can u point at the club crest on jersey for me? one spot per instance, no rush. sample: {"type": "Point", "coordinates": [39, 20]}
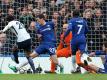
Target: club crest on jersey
{"type": "Point", "coordinates": [47, 29]}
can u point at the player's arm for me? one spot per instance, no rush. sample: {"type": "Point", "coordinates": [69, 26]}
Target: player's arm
{"type": "Point", "coordinates": [6, 28]}
{"type": "Point", "coordinates": [39, 35]}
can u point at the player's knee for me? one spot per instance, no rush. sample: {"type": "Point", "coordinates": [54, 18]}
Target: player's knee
{"type": "Point", "coordinates": [55, 61]}
{"type": "Point", "coordinates": [79, 64]}
{"type": "Point", "coordinates": [33, 55]}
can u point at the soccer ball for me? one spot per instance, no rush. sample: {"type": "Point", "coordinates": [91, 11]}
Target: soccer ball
{"type": "Point", "coordinates": [22, 71]}
{"type": "Point", "coordinates": [25, 70]}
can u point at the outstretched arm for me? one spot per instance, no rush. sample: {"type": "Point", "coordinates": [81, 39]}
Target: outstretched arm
{"type": "Point", "coordinates": [6, 28]}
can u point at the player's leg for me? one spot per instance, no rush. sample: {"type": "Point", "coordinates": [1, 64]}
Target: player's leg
{"type": "Point", "coordinates": [65, 52]}
{"type": "Point", "coordinates": [30, 61]}
{"type": "Point", "coordinates": [27, 49]}
{"type": "Point", "coordinates": [15, 54]}
{"type": "Point", "coordinates": [39, 50]}
{"type": "Point", "coordinates": [73, 57]}
{"type": "Point", "coordinates": [79, 62]}
{"type": "Point", "coordinates": [51, 50]}
{"type": "Point", "coordinates": [89, 67]}
{"type": "Point", "coordinates": [53, 66]}
{"type": "Point", "coordinates": [82, 53]}
{"type": "Point", "coordinates": [75, 67]}
{"type": "Point", "coordinates": [96, 69]}
{"type": "Point", "coordinates": [34, 54]}
{"type": "Point", "coordinates": [22, 64]}
{"type": "Point", "coordinates": [55, 61]}
{"type": "Point", "coordinates": [26, 46]}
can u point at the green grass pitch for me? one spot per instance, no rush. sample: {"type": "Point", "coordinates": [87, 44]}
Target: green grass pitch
{"type": "Point", "coordinates": [53, 77]}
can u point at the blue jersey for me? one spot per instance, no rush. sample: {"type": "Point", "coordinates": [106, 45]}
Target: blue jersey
{"type": "Point", "coordinates": [78, 26]}
{"type": "Point", "coordinates": [48, 39]}
{"type": "Point", "coordinates": [37, 25]}
{"type": "Point", "coordinates": [47, 32]}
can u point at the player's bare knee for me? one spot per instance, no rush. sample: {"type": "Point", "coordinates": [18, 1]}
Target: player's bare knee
{"type": "Point", "coordinates": [54, 59]}
{"type": "Point", "coordinates": [55, 62]}
{"type": "Point", "coordinates": [33, 55]}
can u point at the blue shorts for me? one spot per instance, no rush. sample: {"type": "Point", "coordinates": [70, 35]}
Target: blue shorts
{"type": "Point", "coordinates": [46, 49]}
{"type": "Point", "coordinates": [78, 45]}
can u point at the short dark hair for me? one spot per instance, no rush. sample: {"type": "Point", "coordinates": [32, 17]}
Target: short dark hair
{"type": "Point", "coordinates": [76, 13]}
{"type": "Point", "coordinates": [41, 16]}
{"type": "Point", "coordinates": [10, 18]}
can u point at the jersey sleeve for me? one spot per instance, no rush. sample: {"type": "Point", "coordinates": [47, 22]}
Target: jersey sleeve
{"type": "Point", "coordinates": [7, 27]}
{"type": "Point", "coordinates": [38, 31]}
{"type": "Point", "coordinates": [52, 24]}
{"type": "Point", "coordinates": [70, 25]}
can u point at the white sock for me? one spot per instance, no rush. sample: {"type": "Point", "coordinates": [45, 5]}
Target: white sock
{"type": "Point", "coordinates": [73, 62]}
{"type": "Point", "coordinates": [22, 64]}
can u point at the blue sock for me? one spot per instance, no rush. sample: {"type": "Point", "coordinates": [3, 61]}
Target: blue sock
{"type": "Point", "coordinates": [31, 64]}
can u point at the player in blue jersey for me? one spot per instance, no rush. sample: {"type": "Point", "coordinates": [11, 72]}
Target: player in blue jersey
{"type": "Point", "coordinates": [47, 39]}
{"type": "Point", "coordinates": [98, 69]}
{"type": "Point", "coordinates": [103, 55]}
{"type": "Point", "coordinates": [79, 28]}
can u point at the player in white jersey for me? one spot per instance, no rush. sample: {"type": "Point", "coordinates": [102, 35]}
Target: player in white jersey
{"type": "Point", "coordinates": [18, 29]}
{"type": "Point", "coordinates": [23, 39]}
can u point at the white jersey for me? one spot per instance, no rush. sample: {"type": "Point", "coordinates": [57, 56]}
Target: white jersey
{"type": "Point", "coordinates": [18, 29]}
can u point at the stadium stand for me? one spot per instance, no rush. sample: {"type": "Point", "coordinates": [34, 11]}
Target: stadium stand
{"type": "Point", "coordinates": [60, 11]}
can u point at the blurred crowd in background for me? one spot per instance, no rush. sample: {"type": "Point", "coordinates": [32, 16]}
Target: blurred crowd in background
{"type": "Point", "coordinates": [59, 11]}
